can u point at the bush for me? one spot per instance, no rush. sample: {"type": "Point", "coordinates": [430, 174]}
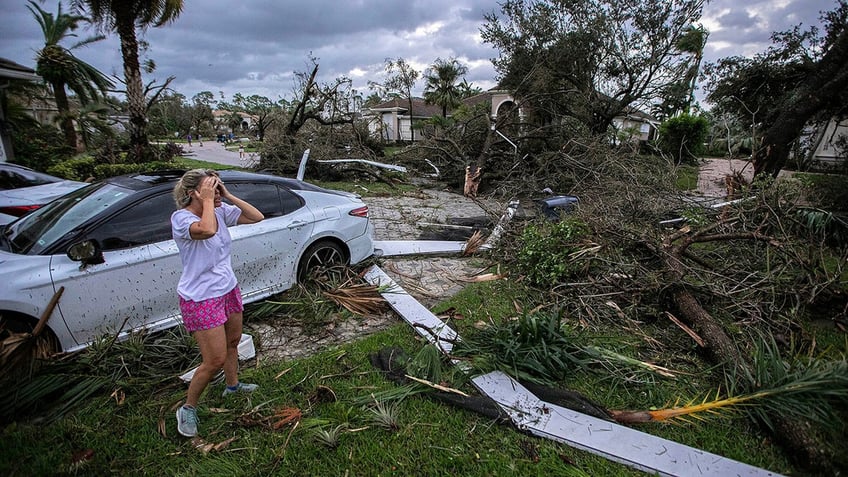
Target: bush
{"type": "Point", "coordinates": [76, 169]}
{"type": "Point", "coordinates": [545, 253]}
{"type": "Point", "coordinates": [39, 147]}
{"type": "Point", "coordinates": [683, 137]}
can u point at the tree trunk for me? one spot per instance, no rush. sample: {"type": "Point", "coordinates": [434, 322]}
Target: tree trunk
{"type": "Point", "coordinates": [794, 435]}
{"type": "Point", "coordinates": [65, 119]}
{"type": "Point", "coordinates": [823, 84]}
{"type": "Point", "coordinates": [137, 127]}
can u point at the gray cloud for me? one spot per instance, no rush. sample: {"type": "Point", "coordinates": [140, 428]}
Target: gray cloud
{"type": "Point", "coordinates": [254, 46]}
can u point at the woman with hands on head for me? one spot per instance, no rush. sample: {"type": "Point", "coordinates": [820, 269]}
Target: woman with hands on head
{"type": "Point", "coordinates": [210, 299]}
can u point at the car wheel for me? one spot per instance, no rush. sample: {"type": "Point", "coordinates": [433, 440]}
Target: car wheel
{"type": "Point", "coordinates": [22, 354]}
{"type": "Point", "coordinates": [321, 260]}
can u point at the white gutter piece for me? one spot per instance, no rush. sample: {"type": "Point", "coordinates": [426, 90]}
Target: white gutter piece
{"type": "Point", "coordinates": [613, 441]}
{"type": "Point", "coordinates": [607, 439]}
{"type": "Point", "coordinates": [394, 248]}
{"type": "Point", "coordinates": [412, 311]}
{"type": "Point", "coordinates": [365, 161]}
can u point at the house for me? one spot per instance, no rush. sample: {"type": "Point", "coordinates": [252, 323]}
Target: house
{"type": "Point", "coordinates": [10, 72]}
{"type": "Point", "coordinates": [222, 117]}
{"type": "Point", "coordinates": [635, 126]}
{"type": "Point", "coordinates": [391, 119]}
{"type": "Point", "coordinates": [829, 147]}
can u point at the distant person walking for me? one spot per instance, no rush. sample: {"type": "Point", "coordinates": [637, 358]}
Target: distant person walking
{"type": "Point", "coordinates": [241, 151]}
{"type": "Point", "coordinates": [188, 138]}
{"type": "Point", "coordinates": [200, 140]}
{"type": "Point", "coordinates": [210, 299]}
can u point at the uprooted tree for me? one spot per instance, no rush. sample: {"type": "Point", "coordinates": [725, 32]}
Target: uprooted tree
{"type": "Point", "coordinates": [732, 275]}
{"type": "Point", "coordinates": [321, 117]}
{"type": "Point", "coordinates": [801, 80]}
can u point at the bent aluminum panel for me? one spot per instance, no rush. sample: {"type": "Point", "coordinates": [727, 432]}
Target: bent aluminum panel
{"type": "Point", "coordinates": [412, 311]}
{"type": "Point", "coordinates": [395, 248]}
{"type": "Point", "coordinates": [618, 443]}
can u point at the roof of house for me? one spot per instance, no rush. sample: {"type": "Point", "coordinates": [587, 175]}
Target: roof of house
{"type": "Point", "coordinates": [11, 70]}
{"type": "Point", "coordinates": [420, 108]}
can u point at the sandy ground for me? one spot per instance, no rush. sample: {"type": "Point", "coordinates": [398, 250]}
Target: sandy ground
{"type": "Point", "coordinates": [711, 179]}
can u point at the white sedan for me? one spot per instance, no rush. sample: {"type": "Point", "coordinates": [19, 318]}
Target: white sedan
{"type": "Point", "coordinates": [23, 190]}
{"type": "Point", "coordinates": [109, 245]}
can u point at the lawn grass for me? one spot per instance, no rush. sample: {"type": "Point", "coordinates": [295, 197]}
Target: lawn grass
{"type": "Point", "coordinates": [431, 438]}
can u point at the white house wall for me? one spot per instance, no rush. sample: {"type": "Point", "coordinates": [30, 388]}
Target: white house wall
{"type": "Point", "coordinates": [828, 154]}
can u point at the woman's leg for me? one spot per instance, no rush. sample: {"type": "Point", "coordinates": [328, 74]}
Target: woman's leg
{"type": "Point", "coordinates": [233, 328]}
{"type": "Point", "coordinates": [213, 350]}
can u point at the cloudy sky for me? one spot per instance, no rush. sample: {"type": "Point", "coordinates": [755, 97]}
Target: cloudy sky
{"type": "Point", "coordinates": [254, 46]}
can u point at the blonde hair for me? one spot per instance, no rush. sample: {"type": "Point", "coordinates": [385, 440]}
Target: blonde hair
{"type": "Point", "coordinates": [187, 183]}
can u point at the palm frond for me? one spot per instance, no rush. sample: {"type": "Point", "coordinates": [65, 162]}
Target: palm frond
{"type": "Point", "coordinates": [359, 299]}
{"type": "Point", "coordinates": [812, 389]}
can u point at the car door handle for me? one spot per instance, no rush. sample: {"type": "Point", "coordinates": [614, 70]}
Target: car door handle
{"type": "Point", "coordinates": [296, 224]}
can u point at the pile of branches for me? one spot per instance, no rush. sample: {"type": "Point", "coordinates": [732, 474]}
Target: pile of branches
{"type": "Point", "coordinates": [722, 276]}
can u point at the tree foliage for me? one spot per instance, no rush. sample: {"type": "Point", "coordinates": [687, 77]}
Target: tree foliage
{"type": "Point", "coordinates": [683, 136]}
{"type": "Point", "coordinates": [60, 68]}
{"type": "Point", "coordinates": [442, 87]}
{"type": "Point", "coordinates": [590, 59]}
{"type": "Point", "coordinates": [400, 79]}
{"type": "Point", "coordinates": [123, 17]}
{"type": "Point", "coordinates": [801, 79]}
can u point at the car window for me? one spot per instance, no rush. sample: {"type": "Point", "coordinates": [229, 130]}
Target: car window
{"type": "Point", "coordinates": [41, 228]}
{"type": "Point", "coordinates": [268, 198]}
{"type": "Point", "coordinates": [142, 223]}
{"type": "Point", "coordinates": [12, 179]}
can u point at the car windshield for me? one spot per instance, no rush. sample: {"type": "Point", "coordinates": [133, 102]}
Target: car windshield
{"type": "Point", "coordinates": [36, 231]}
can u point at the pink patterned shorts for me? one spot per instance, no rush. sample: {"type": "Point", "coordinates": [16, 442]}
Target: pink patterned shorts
{"type": "Point", "coordinates": [208, 314]}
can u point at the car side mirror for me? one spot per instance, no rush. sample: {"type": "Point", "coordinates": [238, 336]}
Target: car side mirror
{"type": "Point", "coordinates": [88, 252]}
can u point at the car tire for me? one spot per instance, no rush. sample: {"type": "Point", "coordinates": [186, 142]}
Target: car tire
{"type": "Point", "coordinates": [27, 355]}
{"type": "Point", "coordinates": [321, 260]}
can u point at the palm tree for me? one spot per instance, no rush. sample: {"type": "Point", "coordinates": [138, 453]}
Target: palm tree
{"type": "Point", "coordinates": [692, 42]}
{"type": "Point", "coordinates": [442, 88]}
{"type": "Point", "coordinates": [60, 68]}
{"type": "Point", "coordinates": [123, 17]}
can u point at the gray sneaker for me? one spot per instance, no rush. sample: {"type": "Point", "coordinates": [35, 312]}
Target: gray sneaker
{"type": "Point", "coordinates": [240, 388]}
{"type": "Point", "coordinates": [187, 421]}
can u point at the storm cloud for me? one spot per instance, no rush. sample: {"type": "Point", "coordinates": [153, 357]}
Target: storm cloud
{"type": "Point", "coordinates": [255, 46]}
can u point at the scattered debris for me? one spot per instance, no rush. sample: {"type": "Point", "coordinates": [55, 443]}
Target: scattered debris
{"type": "Point", "coordinates": [527, 412]}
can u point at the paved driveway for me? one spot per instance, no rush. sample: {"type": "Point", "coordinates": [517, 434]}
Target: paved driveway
{"type": "Point", "coordinates": [216, 152]}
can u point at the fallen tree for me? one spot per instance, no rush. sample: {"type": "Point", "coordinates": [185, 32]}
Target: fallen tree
{"type": "Point", "coordinates": [732, 275]}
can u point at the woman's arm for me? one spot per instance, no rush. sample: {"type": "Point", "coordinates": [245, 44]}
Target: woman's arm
{"type": "Point", "coordinates": [249, 213]}
{"type": "Point", "coordinates": [207, 226]}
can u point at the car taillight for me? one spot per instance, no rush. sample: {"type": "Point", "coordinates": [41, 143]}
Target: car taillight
{"type": "Point", "coordinates": [21, 210]}
{"type": "Point", "coordinates": [359, 212]}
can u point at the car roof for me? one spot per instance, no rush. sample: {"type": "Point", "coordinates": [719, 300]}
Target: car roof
{"type": "Point", "coordinates": [146, 180]}
{"type": "Point", "coordinates": [26, 171]}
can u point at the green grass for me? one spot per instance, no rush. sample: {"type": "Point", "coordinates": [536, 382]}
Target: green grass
{"type": "Point", "coordinates": [687, 177]}
{"type": "Point", "coordinates": [431, 439]}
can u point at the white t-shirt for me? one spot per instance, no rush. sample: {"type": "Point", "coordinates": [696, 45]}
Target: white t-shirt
{"type": "Point", "coordinates": [207, 269]}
